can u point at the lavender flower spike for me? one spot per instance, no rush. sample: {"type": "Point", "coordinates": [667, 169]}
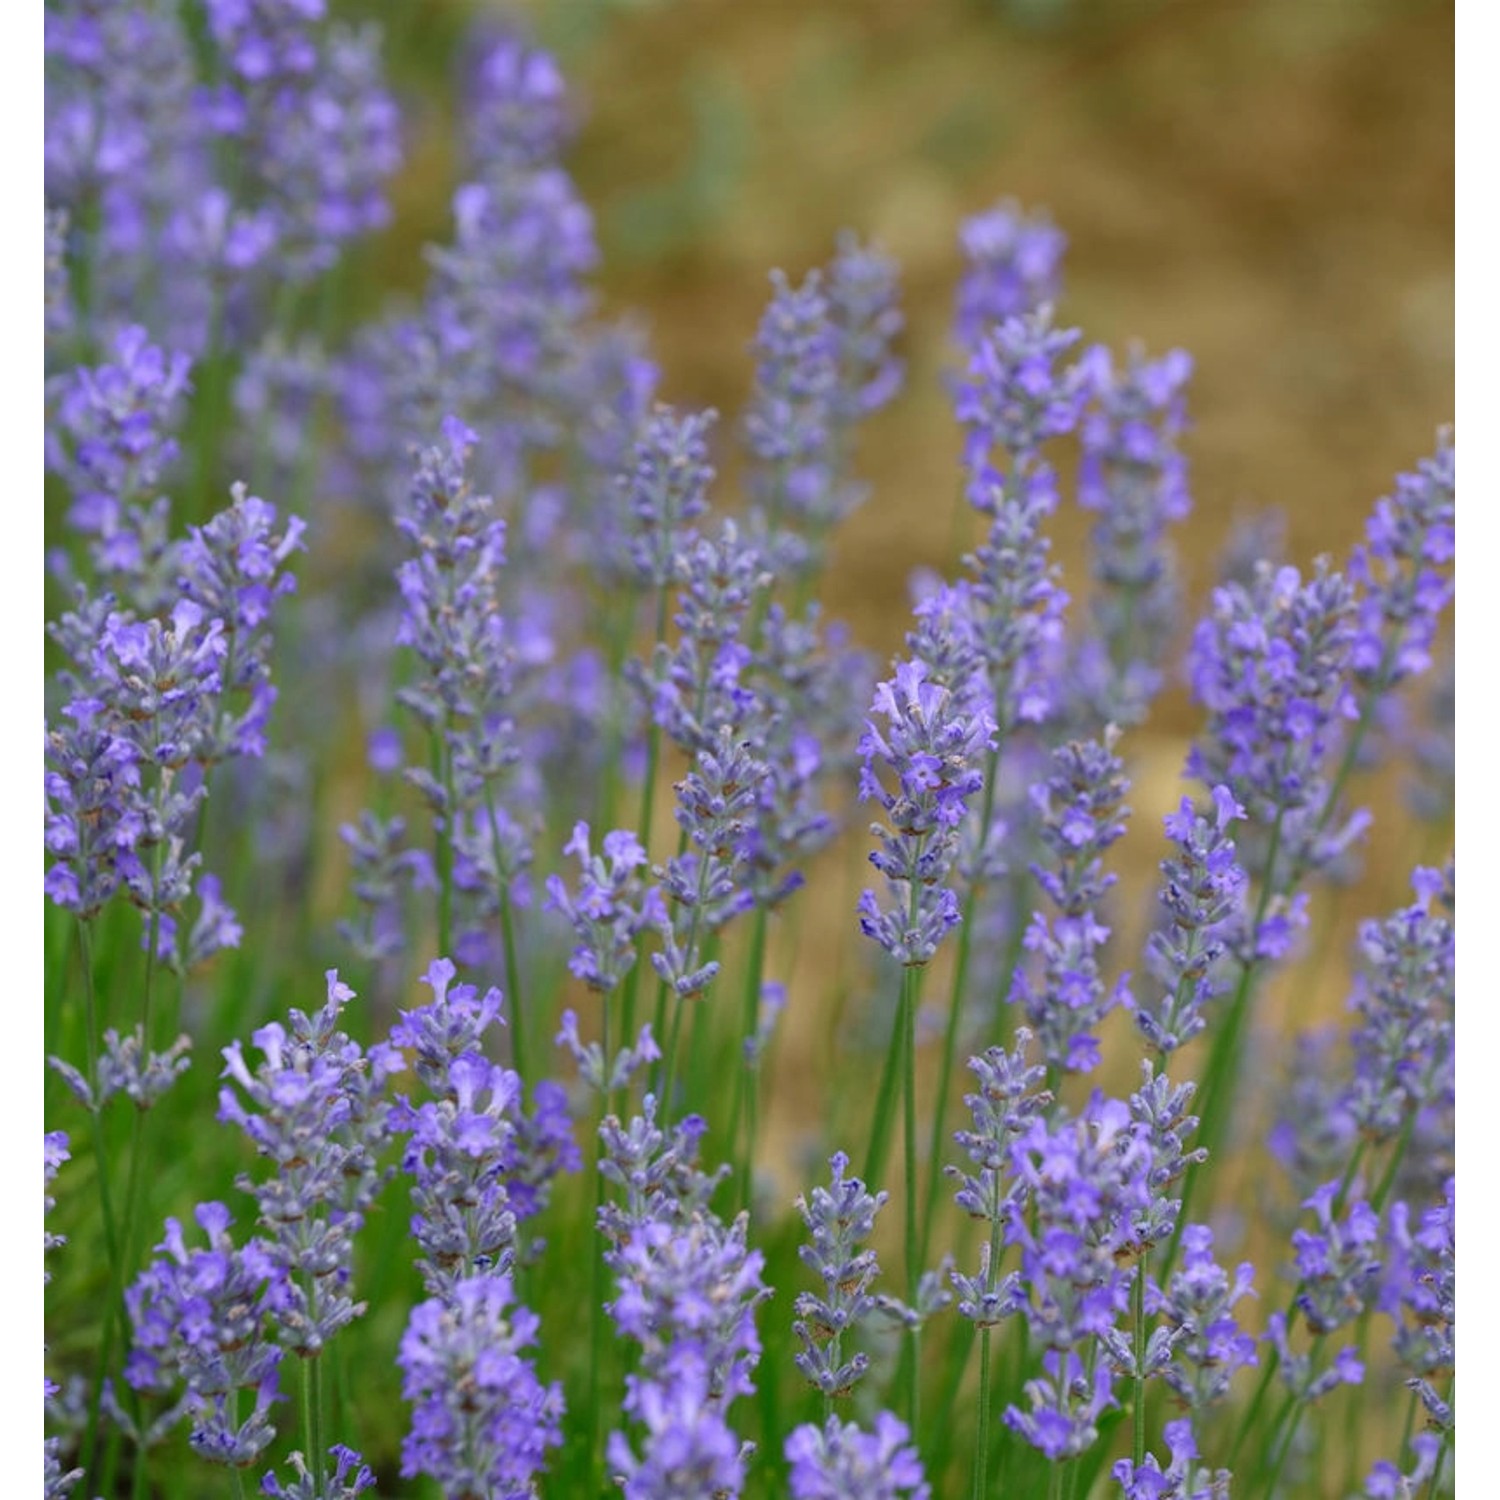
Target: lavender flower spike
{"type": "Point", "coordinates": [1202, 891]}
{"type": "Point", "coordinates": [482, 1422]}
{"type": "Point", "coordinates": [843, 1462]}
{"type": "Point", "coordinates": [1011, 262]}
{"type": "Point", "coordinates": [932, 747]}
{"type": "Point", "coordinates": [838, 1220]}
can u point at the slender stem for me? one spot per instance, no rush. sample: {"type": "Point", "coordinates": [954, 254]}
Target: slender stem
{"type": "Point", "coordinates": [443, 767]}
{"type": "Point", "coordinates": [880, 1127]}
{"type": "Point", "coordinates": [106, 1201]}
{"type": "Point", "coordinates": [513, 986]}
{"type": "Point", "coordinates": [746, 1074]}
{"type": "Point", "coordinates": [669, 1059]}
{"type": "Point", "coordinates": [955, 1013]}
{"type": "Point", "coordinates": [1138, 1312]}
{"type": "Point", "coordinates": [982, 1442]}
{"type": "Point", "coordinates": [911, 980]}
{"type": "Point", "coordinates": [1295, 1407]}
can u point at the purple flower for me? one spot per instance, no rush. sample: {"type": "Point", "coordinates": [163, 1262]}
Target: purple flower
{"type": "Point", "coordinates": [1082, 1182]}
{"type": "Point", "coordinates": [866, 318]}
{"type": "Point", "coordinates": [206, 1319]}
{"type": "Point", "coordinates": [1133, 476]}
{"type": "Point", "coordinates": [931, 747]}
{"type": "Point", "coordinates": [351, 1476]}
{"type": "Point", "coordinates": [1271, 665]}
{"type": "Point", "coordinates": [481, 1420]}
{"type": "Point", "coordinates": [316, 1109]}
{"type": "Point", "coordinates": [1387, 1482]}
{"type": "Point", "coordinates": [112, 441]}
{"type": "Point", "coordinates": [1182, 1479]}
{"type": "Point", "coordinates": [1063, 1406]}
{"type": "Point", "coordinates": [1198, 1304]}
{"type": "Point", "coordinates": [612, 907]}
{"type": "Point", "coordinates": [1011, 262]}
{"type": "Point", "coordinates": [839, 1219]}
{"type": "Point", "coordinates": [664, 489]}
{"type": "Point", "coordinates": [1014, 399]}
{"type": "Point", "coordinates": [1202, 891]}
{"type": "Point", "coordinates": [1409, 540]}
{"type": "Point", "coordinates": [234, 569]}
{"type": "Point", "coordinates": [1418, 1289]}
{"type": "Point", "coordinates": [1338, 1261]}
{"type": "Point", "coordinates": [843, 1462]}
{"type": "Point", "coordinates": [688, 1449]}
{"type": "Point", "coordinates": [1404, 1045]}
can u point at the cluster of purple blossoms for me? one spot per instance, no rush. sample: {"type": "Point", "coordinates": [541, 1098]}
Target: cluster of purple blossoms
{"type": "Point", "coordinates": [1134, 478]}
{"type": "Point", "coordinates": [315, 1107]}
{"type": "Point", "coordinates": [1012, 263]}
{"type": "Point", "coordinates": [1182, 1479]}
{"type": "Point", "coordinates": [151, 706]}
{"type": "Point", "coordinates": [125, 768]}
{"type": "Point", "coordinates": [1081, 812]}
{"type": "Point", "coordinates": [315, 132]}
{"type": "Point", "coordinates": [1083, 1181]}
{"type": "Point", "coordinates": [1007, 1100]}
{"type": "Point", "coordinates": [349, 1476]}
{"type": "Point", "coordinates": [841, 1461]}
{"type": "Point", "coordinates": [1418, 1294]}
{"type": "Point", "coordinates": [697, 687]}
{"type": "Point", "coordinates": [689, 1287]}
{"type": "Point", "coordinates": [1202, 890]}
{"type": "Point", "coordinates": [1015, 400]}
{"type": "Point", "coordinates": [931, 746]}
{"type": "Point", "coordinates": [1162, 1122]}
{"type": "Point", "coordinates": [1408, 539]}
{"type": "Point", "coordinates": [234, 569]}
{"type": "Point", "coordinates": [662, 491]}
{"type": "Point", "coordinates": [111, 441]}
{"type": "Point", "coordinates": [482, 1422]}
{"type": "Point", "coordinates": [188, 202]}
{"type": "Point", "coordinates": [1338, 1262]}
{"type": "Point", "coordinates": [823, 363]}
{"type": "Point", "coordinates": [479, 1163]}
{"type": "Point", "coordinates": [503, 338]}
{"type": "Point", "coordinates": [1271, 665]}
{"type": "Point", "coordinates": [1209, 1346]}
{"type": "Point", "coordinates": [208, 1320]}
{"type": "Point", "coordinates": [839, 1219]}
{"type": "Point", "coordinates": [1404, 1046]}
{"type": "Point", "coordinates": [455, 621]}
{"type": "Point", "coordinates": [611, 909]}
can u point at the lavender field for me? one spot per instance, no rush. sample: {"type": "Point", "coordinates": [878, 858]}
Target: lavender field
{"type": "Point", "coordinates": [687, 851]}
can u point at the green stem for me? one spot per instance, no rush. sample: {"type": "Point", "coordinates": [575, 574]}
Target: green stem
{"type": "Point", "coordinates": [910, 989]}
{"type": "Point", "coordinates": [1138, 1381]}
{"type": "Point", "coordinates": [955, 1013]}
{"type": "Point", "coordinates": [880, 1127]}
{"type": "Point", "coordinates": [513, 986]}
{"type": "Point", "coordinates": [982, 1442]}
{"type": "Point", "coordinates": [1295, 1407]}
{"type": "Point", "coordinates": [442, 765]}
{"type": "Point", "coordinates": [746, 1075]}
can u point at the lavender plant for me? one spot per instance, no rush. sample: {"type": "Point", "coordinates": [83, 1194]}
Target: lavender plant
{"type": "Point", "coordinates": [472, 1272]}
